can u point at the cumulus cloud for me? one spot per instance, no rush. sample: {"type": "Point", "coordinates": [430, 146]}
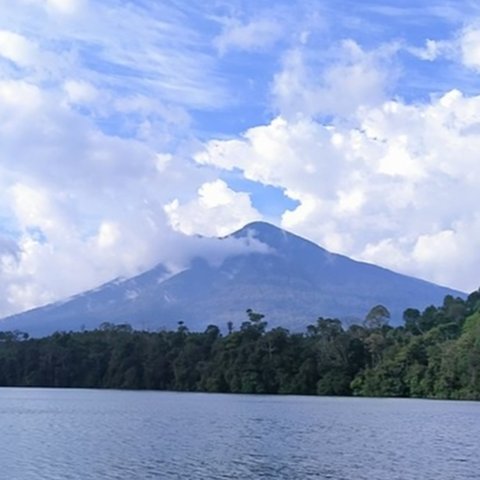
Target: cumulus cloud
{"type": "Point", "coordinates": [469, 42]}
{"type": "Point", "coordinates": [18, 49]}
{"type": "Point", "coordinates": [80, 92]}
{"type": "Point", "coordinates": [398, 188]}
{"type": "Point", "coordinates": [462, 47]}
{"type": "Point", "coordinates": [217, 211]}
{"type": "Point", "coordinates": [336, 83]}
{"type": "Point", "coordinates": [81, 207]}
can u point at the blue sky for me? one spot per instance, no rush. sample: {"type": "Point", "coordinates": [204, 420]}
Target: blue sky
{"type": "Point", "coordinates": [124, 125]}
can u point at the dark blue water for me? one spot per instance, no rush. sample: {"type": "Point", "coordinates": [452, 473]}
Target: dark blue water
{"type": "Point", "coordinates": [90, 434]}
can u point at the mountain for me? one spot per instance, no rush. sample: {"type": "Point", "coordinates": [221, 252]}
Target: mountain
{"type": "Point", "coordinates": [293, 283]}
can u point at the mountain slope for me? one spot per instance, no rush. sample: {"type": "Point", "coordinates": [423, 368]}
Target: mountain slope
{"type": "Point", "coordinates": [293, 284]}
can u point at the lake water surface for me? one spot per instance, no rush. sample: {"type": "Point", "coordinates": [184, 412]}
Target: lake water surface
{"type": "Point", "coordinates": [50, 434]}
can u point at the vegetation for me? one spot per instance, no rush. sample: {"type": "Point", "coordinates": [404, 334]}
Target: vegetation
{"type": "Point", "coordinates": [436, 354]}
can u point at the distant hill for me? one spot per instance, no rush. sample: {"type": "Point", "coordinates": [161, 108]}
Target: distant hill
{"type": "Point", "coordinates": [293, 284]}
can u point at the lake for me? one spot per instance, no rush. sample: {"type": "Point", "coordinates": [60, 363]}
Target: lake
{"type": "Point", "coordinates": [50, 434]}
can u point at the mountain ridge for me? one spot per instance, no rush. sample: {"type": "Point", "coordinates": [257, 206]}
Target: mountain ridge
{"type": "Point", "coordinates": [293, 282]}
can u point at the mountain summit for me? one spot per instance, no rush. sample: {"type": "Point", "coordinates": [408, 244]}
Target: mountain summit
{"type": "Point", "coordinates": [292, 281]}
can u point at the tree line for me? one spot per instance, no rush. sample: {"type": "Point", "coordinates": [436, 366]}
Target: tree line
{"type": "Point", "coordinates": [434, 354]}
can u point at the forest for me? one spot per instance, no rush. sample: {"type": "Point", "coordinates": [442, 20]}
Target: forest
{"type": "Point", "coordinates": [433, 354]}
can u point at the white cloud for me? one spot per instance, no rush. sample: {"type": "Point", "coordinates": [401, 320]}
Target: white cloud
{"type": "Point", "coordinates": [61, 7]}
{"type": "Point", "coordinates": [80, 92]}
{"type": "Point", "coordinates": [108, 235]}
{"type": "Point", "coordinates": [457, 248]}
{"type": "Point", "coordinates": [83, 207]}
{"type": "Point", "coordinates": [445, 255]}
{"type": "Point", "coordinates": [255, 35]}
{"type": "Point", "coordinates": [18, 49]}
{"type": "Point", "coordinates": [68, 7]}
{"type": "Point", "coordinates": [160, 52]}
{"type": "Point", "coordinates": [80, 207]}
{"type": "Point", "coordinates": [352, 78]}
{"type": "Point", "coordinates": [397, 185]}
{"type": "Point", "coordinates": [433, 50]}
{"type": "Point", "coordinates": [469, 43]}
{"type": "Point", "coordinates": [429, 52]}
{"type": "Point", "coordinates": [462, 47]}
{"type": "Point", "coordinates": [17, 98]}
{"type": "Point", "coordinates": [217, 211]}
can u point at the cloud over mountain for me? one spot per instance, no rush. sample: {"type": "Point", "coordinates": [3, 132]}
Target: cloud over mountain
{"type": "Point", "coordinates": [122, 121]}
{"type": "Point", "coordinates": [262, 267]}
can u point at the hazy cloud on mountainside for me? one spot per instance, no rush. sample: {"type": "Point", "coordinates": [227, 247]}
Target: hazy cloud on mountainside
{"type": "Point", "coordinates": [113, 134]}
{"type": "Point", "coordinates": [84, 206]}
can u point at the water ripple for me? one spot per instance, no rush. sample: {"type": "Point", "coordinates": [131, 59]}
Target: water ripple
{"type": "Point", "coordinates": [114, 435]}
